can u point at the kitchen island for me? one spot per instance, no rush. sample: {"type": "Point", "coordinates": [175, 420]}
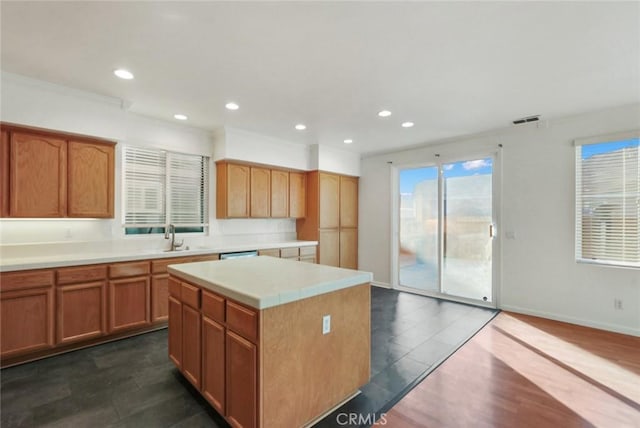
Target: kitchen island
{"type": "Point", "coordinates": [270, 342]}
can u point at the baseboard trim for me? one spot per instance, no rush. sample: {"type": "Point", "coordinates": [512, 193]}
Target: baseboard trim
{"type": "Point", "coordinates": [380, 284]}
{"type": "Point", "coordinates": [578, 321]}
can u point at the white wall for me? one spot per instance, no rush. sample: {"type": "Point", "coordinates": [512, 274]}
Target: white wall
{"type": "Point", "coordinates": [330, 159]}
{"type": "Point", "coordinates": [238, 144]}
{"type": "Point", "coordinates": [35, 103]}
{"type": "Point", "coordinates": [539, 274]}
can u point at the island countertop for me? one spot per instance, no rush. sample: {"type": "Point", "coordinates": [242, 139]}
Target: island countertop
{"type": "Point", "coordinates": [263, 282]}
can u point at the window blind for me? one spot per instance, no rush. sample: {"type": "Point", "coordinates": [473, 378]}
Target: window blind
{"type": "Point", "coordinates": [608, 201]}
{"type": "Point", "coordinates": [165, 187]}
{"type": "Point", "coordinates": [144, 187]}
{"type": "Point", "coordinates": [188, 190]}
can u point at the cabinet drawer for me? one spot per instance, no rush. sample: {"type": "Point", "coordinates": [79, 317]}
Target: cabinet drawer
{"type": "Point", "coordinates": [213, 306]}
{"type": "Point", "coordinates": [25, 280]}
{"type": "Point", "coordinates": [174, 287]}
{"type": "Point", "coordinates": [81, 274]}
{"type": "Point", "coordinates": [121, 270]}
{"type": "Point", "coordinates": [160, 266]}
{"type": "Point", "coordinates": [242, 320]}
{"type": "Point", "coordinates": [207, 258]}
{"type": "Point", "coordinates": [308, 251]}
{"type": "Point", "coordinates": [308, 259]}
{"type": "Point", "coordinates": [273, 252]}
{"type": "Point", "coordinates": [190, 295]}
{"type": "Point", "coordinates": [287, 253]}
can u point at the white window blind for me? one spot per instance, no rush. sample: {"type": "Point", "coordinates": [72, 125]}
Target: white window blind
{"type": "Point", "coordinates": [608, 200]}
{"type": "Point", "coordinates": [163, 187]}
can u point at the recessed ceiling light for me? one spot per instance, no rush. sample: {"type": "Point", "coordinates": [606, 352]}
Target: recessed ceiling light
{"type": "Point", "coordinates": [301, 127]}
{"type": "Point", "coordinates": [384, 113]}
{"type": "Point", "coordinates": [348, 141]}
{"type": "Point", "coordinates": [180, 116]}
{"type": "Point", "coordinates": [232, 106]}
{"type": "Point", "coordinates": [407, 124]}
{"type": "Point", "coordinates": [123, 74]}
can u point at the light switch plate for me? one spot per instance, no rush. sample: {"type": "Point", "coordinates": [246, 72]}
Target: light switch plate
{"type": "Point", "coordinates": [326, 324]}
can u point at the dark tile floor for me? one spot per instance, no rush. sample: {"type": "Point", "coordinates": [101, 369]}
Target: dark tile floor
{"type": "Point", "coordinates": [131, 383]}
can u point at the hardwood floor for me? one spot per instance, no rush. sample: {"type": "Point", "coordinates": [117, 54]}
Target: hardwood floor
{"type": "Point", "coordinates": [529, 372]}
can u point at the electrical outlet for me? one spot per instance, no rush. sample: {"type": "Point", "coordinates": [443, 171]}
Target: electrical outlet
{"type": "Point", "coordinates": [326, 324]}
{"type": "Point", "coordinates": [617, 304]}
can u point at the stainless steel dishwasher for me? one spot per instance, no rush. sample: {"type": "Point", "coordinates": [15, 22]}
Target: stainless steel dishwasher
{"type": "Point", "coordinates": [238, 255]}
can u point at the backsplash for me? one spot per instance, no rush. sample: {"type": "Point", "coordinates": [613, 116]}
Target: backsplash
{"type": "Point", "coordinates": [34, 237]}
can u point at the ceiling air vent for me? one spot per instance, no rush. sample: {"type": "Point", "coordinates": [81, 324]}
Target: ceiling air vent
{"type": "Point", "coordinates": [526, 119]}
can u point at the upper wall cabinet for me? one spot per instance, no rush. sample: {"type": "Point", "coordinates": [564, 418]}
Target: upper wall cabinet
{"type": "Point", "coordinates": [49, 174]}
{"type": "Point", "coordinates": [232, 190]}
{"type": "Point", "coordinates": [90, 186]}
{"type": "Point", "coordinates": [4, 173]}
{"type": "Point", "coordinates": [38, 176]}
{"type": "Point", "coordinates": [260, 191]}
{"type": "Point", "coordinates": [297, 194]}
{"type": "Point", "coordinates": [244, 191]}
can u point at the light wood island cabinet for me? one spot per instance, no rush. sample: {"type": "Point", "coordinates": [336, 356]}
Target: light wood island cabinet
{"type": "Point", "coordinates": [248, 373]}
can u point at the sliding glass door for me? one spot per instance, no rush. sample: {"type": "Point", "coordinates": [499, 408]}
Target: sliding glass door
{"type": "Point", "coordinates": [445, 229]}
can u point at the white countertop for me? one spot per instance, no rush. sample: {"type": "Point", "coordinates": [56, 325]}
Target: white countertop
{"type": "Point", "coordinates": [8, 264]}
{"type": "Point", "coordinates": [263, 282]}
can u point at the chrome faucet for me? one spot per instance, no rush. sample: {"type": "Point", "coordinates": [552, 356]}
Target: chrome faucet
{"type": "Point", "coordinates": [170, 232]}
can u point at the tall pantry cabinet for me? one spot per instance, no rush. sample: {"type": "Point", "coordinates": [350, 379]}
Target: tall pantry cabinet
{"type": "Point", "coordinates": [332, 218]}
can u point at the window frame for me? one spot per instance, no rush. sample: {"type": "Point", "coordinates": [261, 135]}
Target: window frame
{"type": "Point", "coordinates": [578, 199]}
{"type": "Point", "coordinates": [159, 228]}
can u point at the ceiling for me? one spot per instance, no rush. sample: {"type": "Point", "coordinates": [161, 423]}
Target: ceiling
{"type": "Point", "coordinates": [451, 68]}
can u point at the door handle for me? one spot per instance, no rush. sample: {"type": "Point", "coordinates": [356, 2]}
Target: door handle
{"type": "Point", "coordinates": [491, 231]}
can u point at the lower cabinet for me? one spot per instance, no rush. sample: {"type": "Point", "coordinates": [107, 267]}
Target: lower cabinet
{"type": "Point", "coordinates": [159, 296]}
{"type": "Point", "coordinates": [213, 363]}
{"type": "Point", "coordinates": [242, 360]}
{"type": "Point", "coordinates": [215, 347]}
{"type": "Point", "coordinates": [81, 311]}
{"type": "Point", "coordinates": [191, 344]}
{"type": "Point", "coordinates": [329, 247]}
{"type": "Point", "coordinates": [175, 331]}
{"type": "Point", "coordinates": [27, 321]}
{"type": "Point", "coordinates": [129, 301]}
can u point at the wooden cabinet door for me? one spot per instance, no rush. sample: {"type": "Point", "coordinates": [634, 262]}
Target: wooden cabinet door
{"type": "Point", "coordinates": [237, 190]}
{"type": "Point", "coordinates": [260, 192]}
{"type": "Point", "coordinates": [329, 200]}
{"type": "Point", "coordinates": [4, 173]}
{"type": "Point", "coordinates": [297, 194]}
{"type": "Point", "coordinates": [191, 344]}
{"type": "Point", "coordinates": [159, 298]}
{"type": "Point", "coordinates": [27, 321]}
{"type": "Point", "coordinates": [38, 176]}
{"type": "Point", "coordinates": [348, 201]}
{"type": "Point", "coordinates": [213, 363]}
{"type": "Point", "coordinates": [329, 247]}
{"type": "Point", "coordinates": [81, 311]}
{"type": "Point", "coordinates": [241, 381]}
{"type": "Point", "coordinates": [349, 248]}
{"type": "Point", "coordinates": [175, 331]}
{"type": "Point", "coordinates": [279, 193]}
{"type": "Point", "coordinates": [90, 182]}
{"type": "Point", "coordinates": [129, 303]}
